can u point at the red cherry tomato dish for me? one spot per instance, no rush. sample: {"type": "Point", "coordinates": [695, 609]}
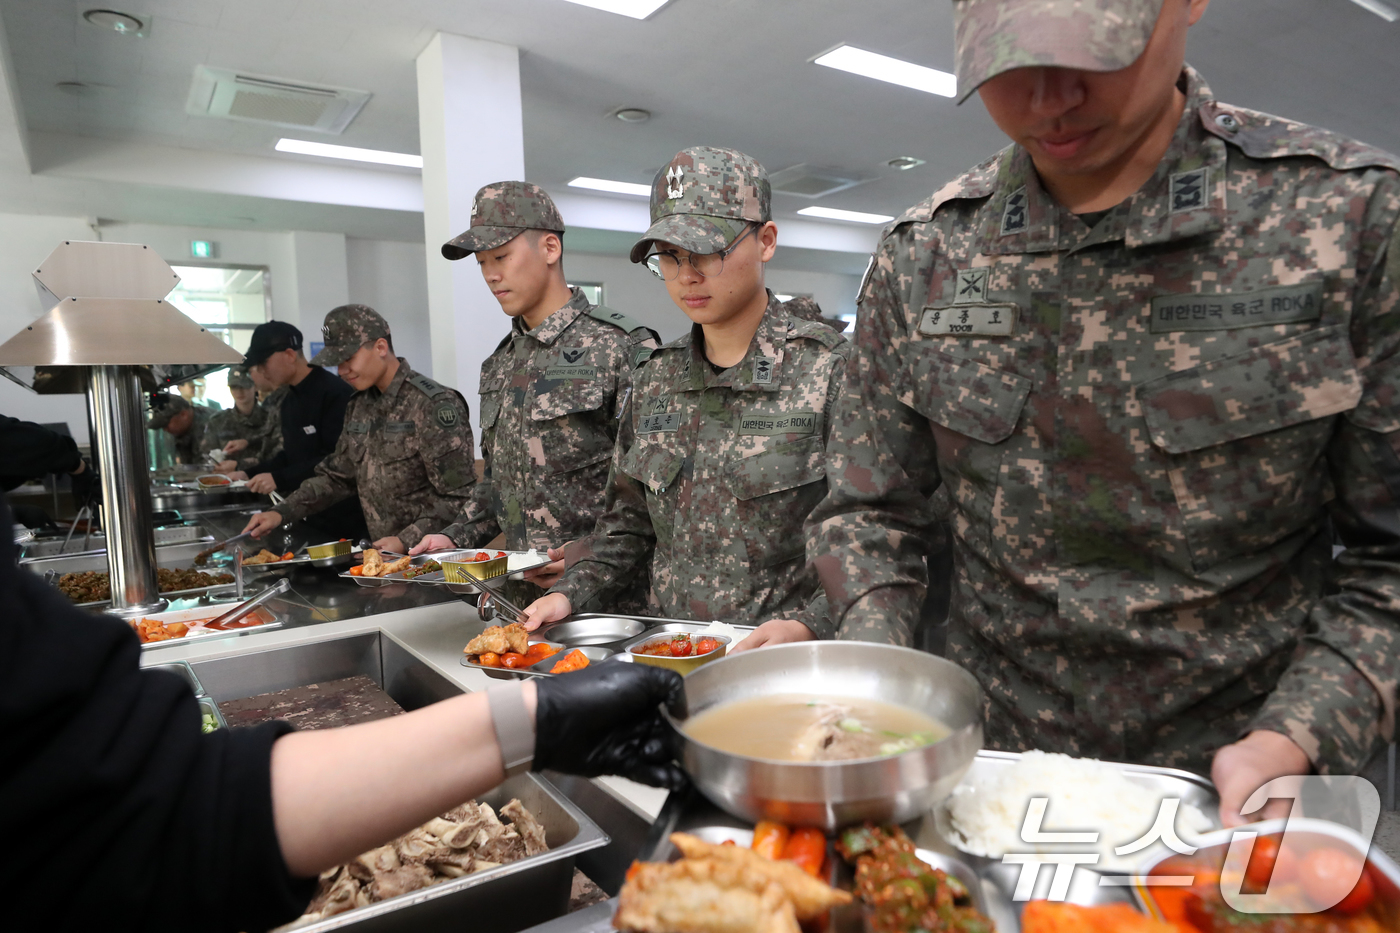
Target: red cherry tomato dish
{"type": "Point", "coordinates": [1329, 877]}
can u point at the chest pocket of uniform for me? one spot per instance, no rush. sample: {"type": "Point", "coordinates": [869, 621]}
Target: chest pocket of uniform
{"type": "Point", "coordinates": [355, 434]}
{"type": "Point", "coordinates": [658, 469]}
{"type": "Point", "coordinates": [972, 409]}
{"type": "Point", "coordinates": [573, 434]}
{"type": "Point", "coordinates": [1245, 438]}
{"type": "Point", "coordinates": [776, 489]}
{"type": "Point", "coordinates": [398, 441]}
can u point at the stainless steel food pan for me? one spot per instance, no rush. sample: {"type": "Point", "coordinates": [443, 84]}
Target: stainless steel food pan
{"type": "Point", "coordinates": [501, 900]}
{"type": "Point", "coordinates": [182, 670]}
{"type": "Point", "coordinates": [594, 630]}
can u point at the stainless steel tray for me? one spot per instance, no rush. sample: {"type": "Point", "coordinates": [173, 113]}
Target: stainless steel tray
{"type": "Point", "coordinates": [501, 900]}
{"type": "Point", "coordinates": [438, 579]}
{"type": "Point", "coordinates": [396, 577]}
{"type": "Point", "coordinates": [205, 613]}
{"type": "Point", "coordinates": [176, 556]}
{"type": "Point", "coordinates": [510, 673]}
{"type": "Point", "coordinates": [182, 670]}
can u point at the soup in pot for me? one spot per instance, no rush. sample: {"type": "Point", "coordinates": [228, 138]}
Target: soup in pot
{"type": "Point", "coordinates": [803, 727]}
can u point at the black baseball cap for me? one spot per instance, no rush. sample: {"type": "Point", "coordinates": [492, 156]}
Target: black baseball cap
{"type": "Point", "coordinates": [272, 337]}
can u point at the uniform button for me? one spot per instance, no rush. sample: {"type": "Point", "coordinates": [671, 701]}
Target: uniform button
{"type": "Point", "coordinates": [1227, 121]}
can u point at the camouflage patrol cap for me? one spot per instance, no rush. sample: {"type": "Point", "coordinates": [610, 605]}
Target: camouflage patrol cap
{"type": "Point", "coordinates": [160, 417]}
{"type": "Point", "coordinates": [500, 213]}
{"type": "Point", "coordinates": [238, 378]}
{"type": "Point", "coordinates": [348, 328]}
{"type": "Point", "coordinates": [704, 198]}
{"type": "Point", "coordinates": [993, 36]}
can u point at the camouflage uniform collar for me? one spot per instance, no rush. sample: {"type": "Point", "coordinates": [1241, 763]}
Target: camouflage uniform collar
{"type": "Point", "coordinates": [1185, 198]}
{"type": "Point", "coordinates": [759, 370]}
{"type": "Point", "coordinates": [397, 382]}
{"type": "Point", "coordinates": [553, 326]}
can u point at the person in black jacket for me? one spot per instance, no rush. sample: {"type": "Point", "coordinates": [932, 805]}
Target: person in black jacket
{"type": "Point", "coordinates": [29, 451]}
{"type": "Point", "coordinates": [118, 813]}
{"type": "Point", "coordinates": [313, 414]}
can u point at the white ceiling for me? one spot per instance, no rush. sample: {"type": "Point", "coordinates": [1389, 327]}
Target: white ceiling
{"type": "Point", "coordinates": [716, 72]}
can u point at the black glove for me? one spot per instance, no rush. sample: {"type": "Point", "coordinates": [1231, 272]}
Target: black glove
{"type": "Point", "coordinates": [84, 484]}
{"type": "Point", "coordinates": [606, 719]}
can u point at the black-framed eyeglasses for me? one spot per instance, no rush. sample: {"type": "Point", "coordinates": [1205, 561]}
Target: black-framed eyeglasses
{"type": "Point", "coordinates": [667, 266]}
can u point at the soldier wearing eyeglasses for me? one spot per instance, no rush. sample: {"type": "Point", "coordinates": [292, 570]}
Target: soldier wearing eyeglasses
{"type": "Point", "coordinates": [722, 450]}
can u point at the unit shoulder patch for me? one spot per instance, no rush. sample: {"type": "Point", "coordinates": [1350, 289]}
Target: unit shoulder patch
{"type": "Point", "coordinates": [447, 415]}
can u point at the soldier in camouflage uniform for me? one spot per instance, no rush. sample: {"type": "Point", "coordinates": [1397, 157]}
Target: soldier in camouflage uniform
{"type": "Point", "coordinates": [551, 391]}
{"type": "Point", "coordinates": [233, 423]}
{"type": "Point", "coordinates": [1149, 410]}
{"type": "Point", "coordinates": [185, 423]}
{"type": "Point", "coordinates": [406, 448]}
{"type": "Point", "coordinates": [722, 449]}
{"type": "Point", "coordinates": [265, 443]}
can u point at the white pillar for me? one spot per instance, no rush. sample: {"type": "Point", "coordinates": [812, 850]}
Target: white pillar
{"type": "Point", "coordinates": [471, 134]}
{"type": "Point", "coordinates": [320, 281]}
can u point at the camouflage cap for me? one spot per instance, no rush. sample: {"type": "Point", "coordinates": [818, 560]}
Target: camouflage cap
{"type": "Point", "coordinates": [238, 378]}
{"type": "Point", "coordinates": [348, 328]}
{"type": "Point", "coordinates": [704, 198]}
{"type": "Point", "coordinates": [500, 213]}
{"type": "Point", "coordinates": [173, 405]}
{"type": "Point", "coordinates": [993, 36]}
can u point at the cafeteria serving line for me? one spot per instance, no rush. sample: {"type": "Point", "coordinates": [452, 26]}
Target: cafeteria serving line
{"type": "Point", "coordinates": [1135, 370]}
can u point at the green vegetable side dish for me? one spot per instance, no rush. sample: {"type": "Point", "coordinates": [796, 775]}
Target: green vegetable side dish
{"type": "Point", "coordinates": [431, 566]}
{"type": "Point", "coordinates": [209, 723]}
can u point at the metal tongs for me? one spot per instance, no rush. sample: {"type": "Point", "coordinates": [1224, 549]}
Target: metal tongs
{"type": "Point", "coordinates": [243, 608]}
{"type": "Point", "coordinates": [204, 555]}
{"type": "Point", "coordinates": [494, 595]}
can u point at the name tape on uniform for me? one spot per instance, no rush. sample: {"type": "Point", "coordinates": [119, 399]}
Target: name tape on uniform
{"type": "Point", "coordinates": [788, 422]}
{"type": "Point", "coordinates": [571, 372]}
{"type": "Point", "coordinates": [969, 321]}
{"type": "Point", "coordinates": [1284, 304]}
{"type": "Point", "coordinates": [656, 424]}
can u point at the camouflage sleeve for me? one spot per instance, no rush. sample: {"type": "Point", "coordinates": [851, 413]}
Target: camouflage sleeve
{"type": "Point", "coordinates": [867, 538]}
{"type": "Point", "coordinates": [1337, 699]}
{"type": "Point", "coordinates": [603, 563]}
{"type": "Point", "coordinates": [449, 460]}
{"type": "Point", "coordinates": [333, 481]}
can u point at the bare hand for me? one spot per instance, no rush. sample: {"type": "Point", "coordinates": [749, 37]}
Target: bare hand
{"type": "Point", "coordinates": [775, 632]}
{"type": "Point", "coordinates": [1247, 765]}
{"type": "Point", "coordinates": [233, 447]}
{"type": "Point", "coordinates": [263, 483]}
{"type": "Point", "coordinates": [390, 543]}
{"type": "Point", "coordinates": [548, 575]}
{"type": "Point", "coordinates": [551, 607]}
{"type": "Point", "coordinates": [262, 523]}
{"type": "Point", "coordinates": [433, 543]}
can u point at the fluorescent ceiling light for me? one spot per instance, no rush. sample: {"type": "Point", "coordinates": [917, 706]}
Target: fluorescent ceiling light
{"type": "Point", "coordinates": [855, 217]}
{"type": "Point", "coordinates": [326, 150]}
{"type": "Point", "coordinates": [883, 68]}
{"type": "Point", "coordinates": [615, 187]}
{"type": "Point", "coordinates": [1384, 10]}
{"type": "Point", "coordinates": [637, 9]}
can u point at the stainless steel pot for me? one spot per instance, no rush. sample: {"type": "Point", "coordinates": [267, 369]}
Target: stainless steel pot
{"type": "Point", "coordinates": [833, 794]}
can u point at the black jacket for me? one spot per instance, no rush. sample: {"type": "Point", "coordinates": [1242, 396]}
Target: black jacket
{"type": "Point", "coordinates": [119, 814]}
{"type": "Point", "coordinates": [29, 450]}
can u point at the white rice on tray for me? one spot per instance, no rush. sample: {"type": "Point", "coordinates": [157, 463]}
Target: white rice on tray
{"type": "Point", "coordinates": [1084, 794]}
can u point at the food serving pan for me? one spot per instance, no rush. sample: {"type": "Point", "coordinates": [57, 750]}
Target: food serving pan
{"type": "Point", "coordinates": [192, 617]}
{"type": "Point", "coordinates": [182, 670]}
{"type": "Point", "coordinates": [833, 794]}
{"type": "Point", "coordinates": [500, 900]}
{"type": "Point", "coordinates": [173, 556]}
{"type": "Point", "coordinates": [207, 705]}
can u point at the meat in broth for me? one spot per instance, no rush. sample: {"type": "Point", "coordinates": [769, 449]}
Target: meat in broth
{"type": "Point", "coordinates": [801, 727]}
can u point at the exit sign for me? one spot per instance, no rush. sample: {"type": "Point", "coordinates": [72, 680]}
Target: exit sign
{"type": "Point", "coordinates": [202, 249]}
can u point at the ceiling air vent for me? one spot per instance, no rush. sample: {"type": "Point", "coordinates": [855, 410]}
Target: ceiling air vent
{"type": "Point", "coordinates": [809, 181]}
{"type": "Point", "coordinates": [236, 95]}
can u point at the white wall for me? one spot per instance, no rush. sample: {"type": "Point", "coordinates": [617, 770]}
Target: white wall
{"type": "Point", "coordinates": [390, 277]}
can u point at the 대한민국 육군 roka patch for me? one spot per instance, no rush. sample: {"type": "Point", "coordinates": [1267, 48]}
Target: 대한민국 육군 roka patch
{"type": "Point", "coordinates": [1284, 304]}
